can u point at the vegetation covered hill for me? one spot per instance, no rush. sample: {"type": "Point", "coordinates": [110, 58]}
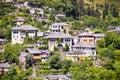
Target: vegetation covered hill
{"type": "Point", "coordinates": [78, 8]}
{"type": "Point", "coordinates": [94, 14]}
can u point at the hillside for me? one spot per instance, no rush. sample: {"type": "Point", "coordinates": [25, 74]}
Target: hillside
{"type": "Point", "coordinates": [60, 39]}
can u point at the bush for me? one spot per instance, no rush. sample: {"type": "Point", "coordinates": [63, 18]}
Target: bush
{"type": "Point", "coordinates": [66, 48]}
{"type": "Point", "coordinates": [43, 47]}
{"type": "Point", "coordinates": [55, 48]}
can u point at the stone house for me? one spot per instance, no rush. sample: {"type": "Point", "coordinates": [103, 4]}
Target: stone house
{"type": "Point", "coordinates": [75, 56]}
{"type": "Point", "coordinates": [4, 67]}
{"type": "Point", "coordinates": [20, 32]}
{"type": "Point", "coordinates": [38, 54]}
{"type": "Point", "coordinates": [53, 40]}
{"type": "Point", "coordinates": [58, 27]}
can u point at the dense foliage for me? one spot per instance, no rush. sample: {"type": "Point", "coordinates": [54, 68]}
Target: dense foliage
{"type": "Point", "coordinates": [12, 52]}
{"type": "Point", "coordinates": [16, 74]}
{"type": "Point", "coordinates": [99, 15]}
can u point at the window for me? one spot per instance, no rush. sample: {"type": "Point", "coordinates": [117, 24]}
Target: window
{"type": "Point", "coordinates": [90, 40]}
{"type": "Point", "coordinates": [43, 53]}
{"type": "Point", "coordinates": [92, 48]}
{"type": "Point", "coordinates": [78, 59]}
{"type": "Point", "coordinates": [54, 26]}
{"type": "Point", "coordinates": [62, 27]}
{"type": "Point", "coordinates": [67, 40]}
{"type": "Point", "coordinates": [51, 44]}
{"type": "Point", "coordinates": [31, 31]}
{"type": "Point", "coordinates": [85, 40]}
{"type": "Point", "coordinates": [15, 32]}
{"type": "Point", "coordinates": [77, 48]}
{"type": "Point", "coordinates": [43, 58]}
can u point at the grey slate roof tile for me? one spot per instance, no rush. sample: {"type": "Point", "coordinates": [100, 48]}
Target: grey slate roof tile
{"type": "Point", "coordinates": [25, 27]}
{"type": "Point", "coordinates": [4, 65]}
{"type": "Point", "coordinates": [36, 51]}
{"type": "Point", "coordinates": [58, 35]}
{"type": "Point", "coordinates": [84, 45]}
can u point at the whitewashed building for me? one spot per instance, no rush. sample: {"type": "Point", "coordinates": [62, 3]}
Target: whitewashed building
{"type": "Point", "coordinates": [88, 49]}
{"type": "Point", "coordinates": [20, 32]}
{"type": "Point", "coordinates": [58, 27]}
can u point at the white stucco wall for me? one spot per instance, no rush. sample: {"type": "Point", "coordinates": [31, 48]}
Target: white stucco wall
{"type": "Point", "coordinates": [16, 38]}
{"type": "Point", "coordinates": [19, 37]}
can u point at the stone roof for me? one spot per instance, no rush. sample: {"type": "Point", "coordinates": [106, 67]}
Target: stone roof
{"type": "Point", "coordinates": [60, 15]}
{"type": "Point", "coordinates": [84, 45]}
{"type": "Point", "coordinates": [25, 27]}
{"type": "Point", "coordinates": [4, 65]}
{"type": "Point", "coordinates": [58, 35]}
{"type": "Point", "coordinates": [76, 52]}
{"type": "Point", "coordinates": [59, 23]}
{"type": "Point", "coordinates": [86, 34]}
{"type": "Point", "coordinates": [99, 35]}
{"type": "Point", "coordinates": [36, 51]}
{"type": "Point", "coordinates": [56, 77]}
{"type": "Point", "coordinates": [117, 29]}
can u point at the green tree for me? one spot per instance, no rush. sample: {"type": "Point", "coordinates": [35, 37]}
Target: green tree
{"type": "Point", "coordinates": [43, 47]}
{"type": "Point", "coordinates": [1, 57]}
{"type": "Point", "coordinates": [107, 57]}
{"type": "Point", "coordinates": [59, 40]}
{"type": "Point", "coordinates": [71, 33]}
{"type": "Point", "coordinates": [55, 48]}
{"type": "Point", "coordinates": [117, 55]}
{"type": "Point", "coordinates": [45, 40]}
{"type": "Point", "coordinates": [116, 43]}
{"type": "Point", "coordinates": [109, 19]}
{"type": "Point", "coordinates": [55, 62]}
{"type": "Point", "coordinates": [29, 40]}
{"type": "Point", "coordinates": [78, 69]}
{"type": "Point", "coordinates": [109, 38]}
{"type": "Point", "coordinates": [77, 25]}
{"type": "Point", "coordinates": [13, 74]}
{"type": "Point", "coordinates": [96, 73]}
{"type": "Point", "coordinates": [11, 52]}
{"type": "Point", "coordinates": [7, 34]}
{"type": "Point", "coordinates": [117, 69]}
{"type": "Point", "coordinates": [52, 17]}
{"type": "Point", "coordinates": [10, 75]}
{"type": "Point", "coordinates": [101, 43]}
{"type": "Point", "coordinates": [93, 22]}
{"type": "Point", "coordinates": [66, 65]}
{"type": "Point", "coordinates": [66, 48]}
{"type": "Point", "coordinates": [44, 66]}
